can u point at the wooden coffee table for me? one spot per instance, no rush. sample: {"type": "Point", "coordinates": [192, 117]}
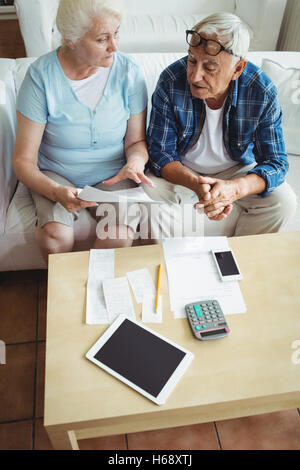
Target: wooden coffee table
{"type": "Point", "coordinates": [249, 372]}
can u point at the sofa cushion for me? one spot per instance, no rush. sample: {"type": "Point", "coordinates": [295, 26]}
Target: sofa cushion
{"type": "Point", "coordinates": [156, 33]}
{"type": "Point", "coordinates": [287, 81]}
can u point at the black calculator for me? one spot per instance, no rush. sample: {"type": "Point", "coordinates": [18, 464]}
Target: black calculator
{"type": "Point", "coordinates": [207, 320]}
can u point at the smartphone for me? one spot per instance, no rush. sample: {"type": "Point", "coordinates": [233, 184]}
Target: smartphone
{"type": "Point", "coordinates": [227, 266]}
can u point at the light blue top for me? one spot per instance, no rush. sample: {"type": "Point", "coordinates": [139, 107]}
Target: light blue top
{"type": "Point", "coordinates": [82, 145]}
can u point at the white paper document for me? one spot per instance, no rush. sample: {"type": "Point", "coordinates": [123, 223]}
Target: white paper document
{"type": "Point", "coordinates": [149, 315]}
{"type": "Point", "coordinates": [141, 284]}
{"type": "Point", "coordinates": [144, 292]}
{"type": "Point", "coordinates": [118, 298]}
{"type": "Point", "coordinates": [193, 276]}
{"type": "Point", "coordinates": [88, 193]}
{"type": "Point", "coordinates": [101, 267]}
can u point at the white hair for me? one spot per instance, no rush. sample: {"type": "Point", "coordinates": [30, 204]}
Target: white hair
{"type": "Point", "coordinates": [75, 17]}
{"type": "Point", "coordinates": [232, 32]}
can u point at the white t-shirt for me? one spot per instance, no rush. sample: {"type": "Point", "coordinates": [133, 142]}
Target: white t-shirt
{"type": "Point", "coordinates": [209, 155]}
{"type": "Point", "coordinates": [90, 89]}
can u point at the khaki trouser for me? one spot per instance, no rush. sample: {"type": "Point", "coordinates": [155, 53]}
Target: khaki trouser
{"type": "Point", "coordinates": [115, 213]}
{"type": "Point", "coordinates": [256, 214]}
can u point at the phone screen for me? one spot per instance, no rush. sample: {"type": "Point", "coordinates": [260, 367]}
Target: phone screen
{"type": "Point", "coordinates": [226, 263]}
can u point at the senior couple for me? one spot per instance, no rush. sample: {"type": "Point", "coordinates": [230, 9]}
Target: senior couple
{"type": "Point", "coordinates": [214, 133]}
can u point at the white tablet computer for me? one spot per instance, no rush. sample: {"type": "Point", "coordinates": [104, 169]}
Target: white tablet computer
{"type": "Point", "coordinates": [141, 358]}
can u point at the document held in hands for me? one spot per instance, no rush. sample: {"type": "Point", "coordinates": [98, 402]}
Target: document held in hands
{"type": "Point", "coordinates": [88, 193]}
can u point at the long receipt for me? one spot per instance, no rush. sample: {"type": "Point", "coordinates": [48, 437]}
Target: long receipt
{"type": "Point", "coordinates": [101, 267]}
{"type": "Point", "coordinates": [117, 298]}
{"type": "Point", "coordinates": [145, 292]}
{"type": "Point", "coordinates": [107, 296]}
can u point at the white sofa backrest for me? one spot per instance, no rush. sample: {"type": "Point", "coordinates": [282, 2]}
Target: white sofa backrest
{"type": "Point", "coordinates": [155, 26]}
{"type": "Point", "coordinates": [177, 7]}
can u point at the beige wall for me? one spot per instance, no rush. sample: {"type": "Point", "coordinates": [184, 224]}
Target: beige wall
{"type": "Point", "coordinates": [289, 37]}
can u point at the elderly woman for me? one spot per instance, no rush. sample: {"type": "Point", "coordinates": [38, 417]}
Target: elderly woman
{"type": "Point", "coordinates": [81, 114]}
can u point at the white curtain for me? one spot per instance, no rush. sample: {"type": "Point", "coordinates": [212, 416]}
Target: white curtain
{"type": "Point", "coordinates": [289, 37]}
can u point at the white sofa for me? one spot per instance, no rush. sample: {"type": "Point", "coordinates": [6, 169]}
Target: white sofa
{"type": "Point", "coordinates": [18, 248]}
{"type": "Point", "coordinates": [155, 25]}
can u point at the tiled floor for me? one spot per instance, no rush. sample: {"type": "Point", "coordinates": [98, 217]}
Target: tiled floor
{"type": "Point", "coordinates": [22, 329]}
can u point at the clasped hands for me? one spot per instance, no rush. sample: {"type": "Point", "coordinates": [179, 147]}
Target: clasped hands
{"type": "Point", "coordinates": [216, 196]}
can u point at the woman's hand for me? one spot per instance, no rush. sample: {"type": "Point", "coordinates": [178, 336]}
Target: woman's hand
{"type": "Point", "coordinates": [134, 170]}
{"type": "Point", "coordinates": [67, 197]}
{"type": "Point", "coordinates": [136, 152]}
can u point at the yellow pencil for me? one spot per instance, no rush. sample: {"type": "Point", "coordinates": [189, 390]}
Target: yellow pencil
{"type": "Point", "coordinates": [158, 287]}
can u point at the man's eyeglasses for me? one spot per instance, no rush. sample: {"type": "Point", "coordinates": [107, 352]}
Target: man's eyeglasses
{"type": "Point", "coordinates": [211, 47]}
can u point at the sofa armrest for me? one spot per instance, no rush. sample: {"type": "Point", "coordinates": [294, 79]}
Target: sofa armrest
{"type": "Point", "coordinates": [8, 179]}
{"type": "Point", "coordinates": [37, 34]}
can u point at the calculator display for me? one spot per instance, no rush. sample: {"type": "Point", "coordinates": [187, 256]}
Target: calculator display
{"type": "Point", "coordinates": [213, 333]}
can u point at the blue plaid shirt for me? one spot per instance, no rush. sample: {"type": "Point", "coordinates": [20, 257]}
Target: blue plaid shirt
{"type": "Point", "coordinates": [252, 129]}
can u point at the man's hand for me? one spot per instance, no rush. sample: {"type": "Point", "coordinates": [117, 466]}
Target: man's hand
{"type": "Point", "coordinates": [218, 200]}
{"type": "Point", "coordinates": [134, 170]}
{"type": "Point", "coordinates": [217, 196]}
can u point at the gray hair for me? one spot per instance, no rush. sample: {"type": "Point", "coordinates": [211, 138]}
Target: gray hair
{"type": "Point", "coordinates": [75, 17]}
{"type": "Point", "coordinates": [232, 32]}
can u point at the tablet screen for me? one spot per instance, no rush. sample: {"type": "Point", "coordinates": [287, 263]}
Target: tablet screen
{"type": "Point", "coordinates": [141, 357]}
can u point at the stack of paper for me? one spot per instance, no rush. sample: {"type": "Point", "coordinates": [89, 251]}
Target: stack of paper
{"type": "Point", "coordinates": [107, 296]}
{"type": "Point", "coordinates": [193, 276]}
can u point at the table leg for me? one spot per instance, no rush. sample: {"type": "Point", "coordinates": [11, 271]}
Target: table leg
{"type": "Point", "coordinates": [63, 440]}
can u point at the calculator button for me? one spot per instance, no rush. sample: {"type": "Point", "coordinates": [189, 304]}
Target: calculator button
{"type": "Point", "coordinates": [197, 327]}
{"type": "Point", "coordinates": [198, 311]}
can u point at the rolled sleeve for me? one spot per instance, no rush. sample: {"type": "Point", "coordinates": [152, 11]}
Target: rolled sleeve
{"type": "Point", "coordinates": [162, 134]}
{"type": "Point", "coordinates": [269, 149]}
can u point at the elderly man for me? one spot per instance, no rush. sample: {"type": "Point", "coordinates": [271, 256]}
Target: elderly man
{"type": "Point", "coordinates": [215, 132]}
